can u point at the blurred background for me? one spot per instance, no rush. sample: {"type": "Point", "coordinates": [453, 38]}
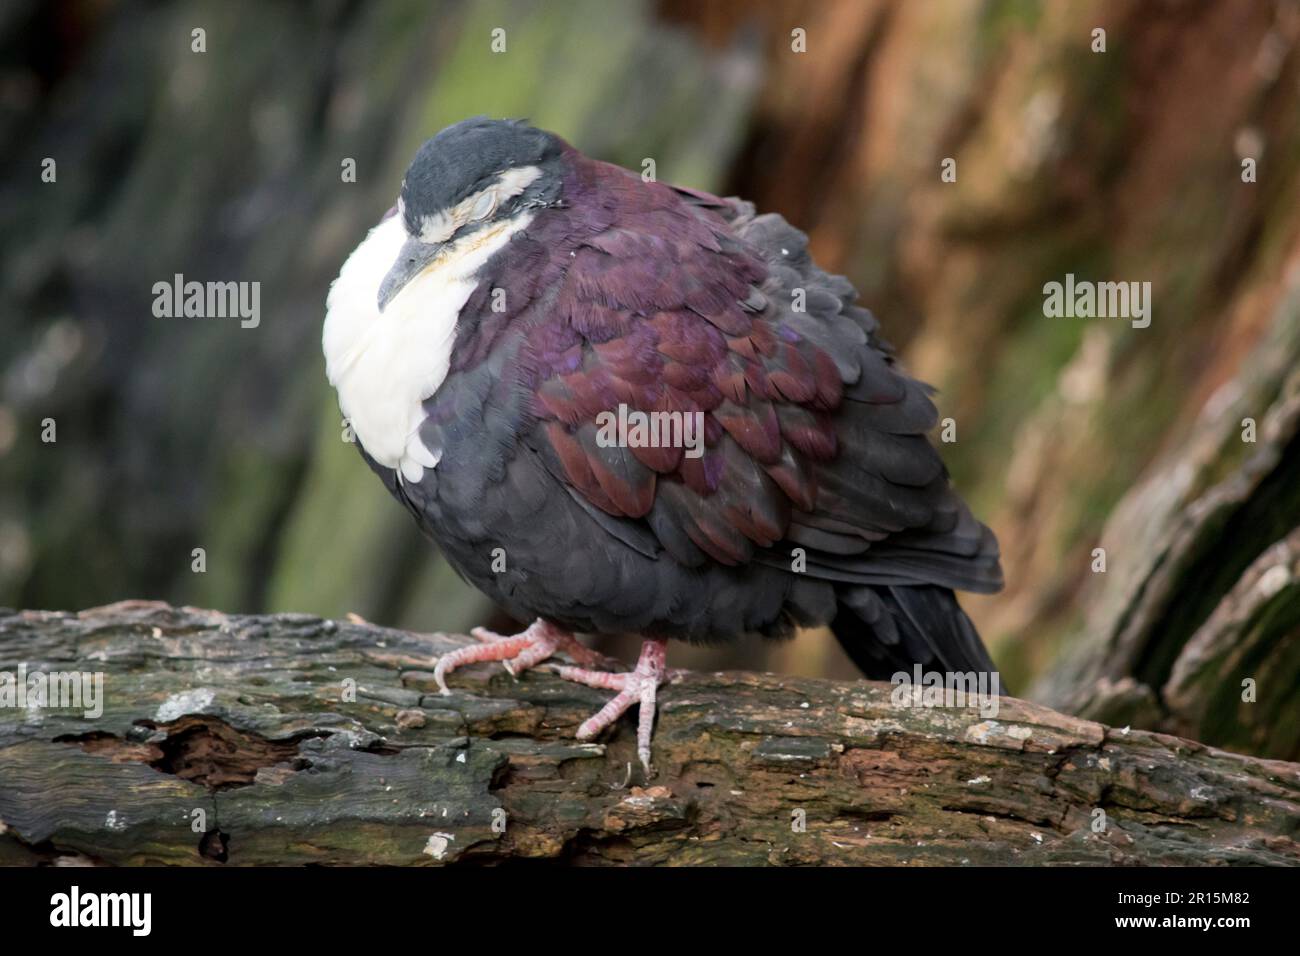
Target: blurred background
{"type": "Point", "coordinates": [1124, 163]}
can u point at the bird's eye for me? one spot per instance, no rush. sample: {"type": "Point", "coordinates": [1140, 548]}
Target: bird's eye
{"type": "Point", "coordinates": [487, 201]}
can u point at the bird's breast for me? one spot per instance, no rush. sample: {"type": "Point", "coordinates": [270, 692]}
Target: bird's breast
{"type": "Point", "coordinates": [384, 365]}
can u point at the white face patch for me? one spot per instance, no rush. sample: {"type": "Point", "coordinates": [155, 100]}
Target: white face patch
{"type": "Point", "coordinates": [385, 364]}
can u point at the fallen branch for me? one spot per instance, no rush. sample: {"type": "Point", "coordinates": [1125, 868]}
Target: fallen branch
{"type": "Point", "coordinates": [288, 739]}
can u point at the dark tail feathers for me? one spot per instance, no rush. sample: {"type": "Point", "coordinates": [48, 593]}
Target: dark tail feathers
{"type": "Point", "coordinates": [887, 629]}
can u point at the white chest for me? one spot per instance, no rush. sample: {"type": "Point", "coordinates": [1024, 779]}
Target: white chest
{"type": "Point", "coordinates": [385, 364]}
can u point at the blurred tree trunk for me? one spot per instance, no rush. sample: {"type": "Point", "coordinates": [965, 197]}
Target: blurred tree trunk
{"type": "Point", "coordinates": [1198, 631]}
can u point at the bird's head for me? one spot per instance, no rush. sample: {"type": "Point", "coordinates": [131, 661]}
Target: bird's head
{"type": "Point", "coordinates": [464, 183]}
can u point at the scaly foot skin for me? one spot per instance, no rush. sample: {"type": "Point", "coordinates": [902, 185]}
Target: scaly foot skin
{"type": "Point", "coordinates": [541, 640]}
{"type": "Point", "coordinates": [518, 652]}
{"type": "Point", "coordinates": [640, 686]}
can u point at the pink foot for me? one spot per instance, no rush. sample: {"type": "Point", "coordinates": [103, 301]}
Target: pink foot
{"type": "Point", "coordinates": [640, 686]}
{"type": "Point", "coordinates": [518, 651]}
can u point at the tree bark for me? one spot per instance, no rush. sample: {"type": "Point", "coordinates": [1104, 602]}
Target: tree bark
{"type": "Point", "coordinates": [289, 739]}
{"type": "Point", "coordinates": [1194, 630]}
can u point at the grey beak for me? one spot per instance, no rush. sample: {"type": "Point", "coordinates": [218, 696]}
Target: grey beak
{"type": "Point", "coordinates": [411, 261]}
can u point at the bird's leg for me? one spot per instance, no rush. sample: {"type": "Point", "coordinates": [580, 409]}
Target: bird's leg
{"type": "Point", "coordinates": [518, 651]}
{"type": "Point", "coordinates": [639, 686]}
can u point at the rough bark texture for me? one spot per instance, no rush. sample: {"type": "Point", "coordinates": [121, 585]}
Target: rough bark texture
{"type": "Point", "coordinates": [252, 721]}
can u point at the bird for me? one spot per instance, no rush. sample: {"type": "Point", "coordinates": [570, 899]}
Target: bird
{"type": "Point", "coordinates": [521, 300]}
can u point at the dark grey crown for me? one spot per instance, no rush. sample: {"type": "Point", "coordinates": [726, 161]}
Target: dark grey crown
{"type": "Point", "coordinates": [468, 156]}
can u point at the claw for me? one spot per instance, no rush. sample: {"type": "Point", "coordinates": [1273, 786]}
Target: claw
{"type": "Point", "coordinates": [640, 686]}
{"type": "Point", "coordinates": [530, 648]}
{"type": "Point", "coordinates": [535, 644]}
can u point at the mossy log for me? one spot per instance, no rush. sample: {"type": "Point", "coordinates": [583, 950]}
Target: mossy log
{"type": "Point", "coordinates": [290, 739]}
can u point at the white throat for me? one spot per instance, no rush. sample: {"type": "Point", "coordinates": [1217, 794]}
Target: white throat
{"type": "Point", "coordinates": [385, 364]}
